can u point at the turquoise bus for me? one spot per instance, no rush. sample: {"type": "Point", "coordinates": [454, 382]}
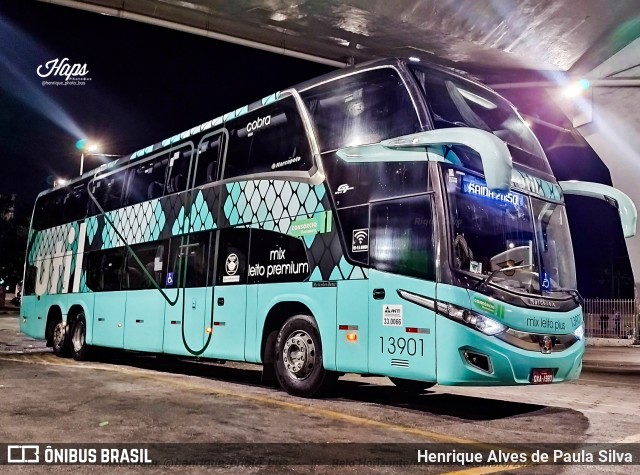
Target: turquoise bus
{"type": "Point", "coordinates": [393, 218]}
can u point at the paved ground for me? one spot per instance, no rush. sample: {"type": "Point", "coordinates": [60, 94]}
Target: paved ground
{"type": "Point", "coordinates": [122, 398]}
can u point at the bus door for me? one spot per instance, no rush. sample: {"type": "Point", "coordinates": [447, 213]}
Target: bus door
{"type": "Point", "coordinates": [186, 321]}
{"type": "Point", "coordinates": [230, 295]}
{"type": "Point", "coordinates": [402, 288]}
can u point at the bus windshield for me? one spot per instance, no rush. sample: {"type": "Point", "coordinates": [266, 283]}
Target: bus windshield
{"type": "Point", "coordinates": [495, 232]}
{"type": "Point", "coordinates": [455, 102]}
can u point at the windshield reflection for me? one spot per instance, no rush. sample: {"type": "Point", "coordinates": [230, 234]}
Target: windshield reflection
{"type": "Point", "coordinates": [524, 242]}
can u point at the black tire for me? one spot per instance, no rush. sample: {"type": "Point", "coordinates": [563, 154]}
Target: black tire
{"type": "Point", "coordinates": [60, 339]}
{"type": "Point", "coordinates": [410, 386]}
{"type": "Point", "coordinates": [298, 358]}
{"type": "Point", "coordinates": [77, 340]}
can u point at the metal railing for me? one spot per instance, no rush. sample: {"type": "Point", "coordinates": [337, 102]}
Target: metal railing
{"type": "Point", "coordinates": [611, 318]}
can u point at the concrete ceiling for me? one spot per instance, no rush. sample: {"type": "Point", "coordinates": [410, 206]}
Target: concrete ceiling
{"type": "Point", "coordinates": [478, 35]}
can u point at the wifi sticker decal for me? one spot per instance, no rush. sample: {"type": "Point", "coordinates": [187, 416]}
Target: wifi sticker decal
{"type": "Point", "coordinates": [360, 241]}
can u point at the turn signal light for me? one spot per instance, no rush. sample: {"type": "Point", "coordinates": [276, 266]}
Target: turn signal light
{"type": "Point", "coordinates": [352, 337]}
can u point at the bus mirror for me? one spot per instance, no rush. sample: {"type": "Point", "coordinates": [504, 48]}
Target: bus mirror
{"type": "Point", "coordinates": [495, 156]}
{"type": "Point", "coordinates": [626, 207]}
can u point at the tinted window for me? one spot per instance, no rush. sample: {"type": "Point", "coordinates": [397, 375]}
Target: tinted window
{"type": "Point", "coordinates": [209, 152]}
{"type": "Point", "coordinates": [189, 259]}
{"type": "Point", "coordinates": [48, 211]}
{"type": "Point", "coordinates": [146, 181]}
{"type": "Point", "coordinates": [402, 237]}
{"type": "Point", "coordinates": [75, 203]}
{"type": "Point", "coordinates": [233, 251]}
{"type": "Point", "coordinates": [153, 257]}
{"type": "Point", "coordinates": [178, 176]}
{"type": "Point", "coordinates": [269, 139]}
{"type": "Point", "coordinates": [108, 192]}
{"type": "Point", "coordinates": [455, 102]}
{"type": "Point", "coordinates": [374, 180]}
{"type": "Point", "coordinates": [361, 108]}
{"type": "Point", "coordinates": [104, 270]}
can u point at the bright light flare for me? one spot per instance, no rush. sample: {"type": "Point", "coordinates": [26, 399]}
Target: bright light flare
{"type": "Point", "coordinates": [576, 88]}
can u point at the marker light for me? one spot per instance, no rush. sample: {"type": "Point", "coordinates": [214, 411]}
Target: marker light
{"type": "Point", "coordinates": [208, 330]}
{"type": "Point", "coordinates": [352, 337]}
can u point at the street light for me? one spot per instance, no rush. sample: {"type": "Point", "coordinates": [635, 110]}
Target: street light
{"type": "Point", "coordinates": [84, 145]}
{"type": "Point", "coordinates": [90, 149]}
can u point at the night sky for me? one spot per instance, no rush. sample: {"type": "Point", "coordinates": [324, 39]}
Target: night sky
{"type": "Point", "coordinates": [149, 83]}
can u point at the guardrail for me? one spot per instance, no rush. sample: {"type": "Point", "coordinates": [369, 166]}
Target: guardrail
{"type": "Point", "coordinates": [611, 318]}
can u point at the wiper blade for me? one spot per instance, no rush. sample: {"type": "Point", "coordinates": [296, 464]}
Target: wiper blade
{"type": "Point", "coordinates": [485, 281]}
{"type": "Point", "coordinates": [573, 292]}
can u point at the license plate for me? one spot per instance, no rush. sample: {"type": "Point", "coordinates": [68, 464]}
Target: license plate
{"type": "Point", "coordinates": [542, 376]}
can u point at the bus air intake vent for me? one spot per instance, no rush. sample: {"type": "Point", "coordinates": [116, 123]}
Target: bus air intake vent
{"type": "Point", "coordinates": [478, 360]}
{"type": "Point", "coordinates": [403, 363]}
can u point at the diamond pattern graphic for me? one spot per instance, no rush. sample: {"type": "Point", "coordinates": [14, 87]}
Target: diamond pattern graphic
{"type": "Point", "coordinates": [133, 225]}
{"type": "Point", "coordinates": [200, 218]}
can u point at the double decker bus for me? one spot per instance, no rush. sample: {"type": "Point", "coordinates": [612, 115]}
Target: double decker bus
{"type": "Point", "coordinates": [391, 219]}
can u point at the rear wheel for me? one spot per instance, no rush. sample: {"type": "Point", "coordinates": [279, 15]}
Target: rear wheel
{"type": "Point", "coordinates": [79, 347]}
{"type": "Point", "coordinates": [298, 359]}
{"type": "Point", "coordinates": [60, 339]}
{"type": "Point", "coordinates": [410, 386]}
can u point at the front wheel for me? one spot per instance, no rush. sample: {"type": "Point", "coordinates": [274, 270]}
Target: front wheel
{"type": "Point", "coordinates": [298, 359]}
{"type": "Point", "coordinates": [79, 347]}
{"type": "Point", "coordinates": [410, 386]}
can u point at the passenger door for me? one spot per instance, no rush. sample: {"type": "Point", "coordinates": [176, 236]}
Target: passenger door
{"type": "Point", "coordinates": [230, 295]}
{"type": "Point", "coordinates": [401, 288]}
{"type": "Point", "coordinates": [144, 319]}
{"type": "Point", "coordinates": [185, 321]}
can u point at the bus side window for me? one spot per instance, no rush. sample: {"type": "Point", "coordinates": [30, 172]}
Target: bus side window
{"type": "Point", "coordinates": [178, 175]}
{"type": "Point", "coordinates": [146, 181]}
{"type": "Point", "coordinates": [233, 250]}
{"type": "Point", "coordinates": [208, 159]}
{"type": "Point", "coordinates": [269, 139]}
{"type": "Point", "coordinates": [193, 254]}
{"type": "Point", "coordinates": [361, 108]}
{"type": "Point", "coordinates": [75, 203]}
{"type": "Point", "coordinates": [108, 192]}
{"type": "Point", "coordinates": [152, 255]}
{"type": "Point", "coordinates": [105, 269]}
{"type": "Point", "coordinates": [401, 237]}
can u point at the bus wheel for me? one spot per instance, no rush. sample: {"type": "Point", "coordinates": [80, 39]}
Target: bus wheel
{"type": "Point", "coordinates": [79, 347]}
{"type": "Point", "coordinates": [298, 360]}
{"type": "Point", "coordinates": [60, 339]}
{"type": "Point", "coordinates": [410, 386]}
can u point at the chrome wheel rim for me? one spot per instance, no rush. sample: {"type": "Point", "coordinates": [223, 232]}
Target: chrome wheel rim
{"type": "Point", "coordinates": [78, 337]}
{"type": "Point", "coordinates": [59, 333]}
{"type": "Point", "coordinates": [299, 354]}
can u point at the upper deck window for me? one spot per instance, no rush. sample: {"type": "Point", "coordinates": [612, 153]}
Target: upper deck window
{"type": "Point", "coordinates": [360, 109]}
{"type": "Point", "coordinates": [455, 102]}
{"type": "Point", "coordinates": [269, 139]}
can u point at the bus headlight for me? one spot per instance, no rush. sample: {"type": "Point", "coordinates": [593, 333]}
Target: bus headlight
{"type": "Point", "coordinates": [486, 325]}
{"type": "Point", "coordinates": [579, 332]}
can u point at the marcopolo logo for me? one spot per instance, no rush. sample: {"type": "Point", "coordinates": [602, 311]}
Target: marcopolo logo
{"type": "Point", "coordinates": [258, 124]}
{"type": "Point", "coordinates": [63, 73]}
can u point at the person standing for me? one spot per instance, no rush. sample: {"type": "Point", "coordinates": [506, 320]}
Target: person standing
{"type": "Point", "coordinates": [616, 322]}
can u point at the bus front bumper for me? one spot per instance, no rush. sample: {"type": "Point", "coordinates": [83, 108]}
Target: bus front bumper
{"type": "Point", "coordinates": [470, 358]}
